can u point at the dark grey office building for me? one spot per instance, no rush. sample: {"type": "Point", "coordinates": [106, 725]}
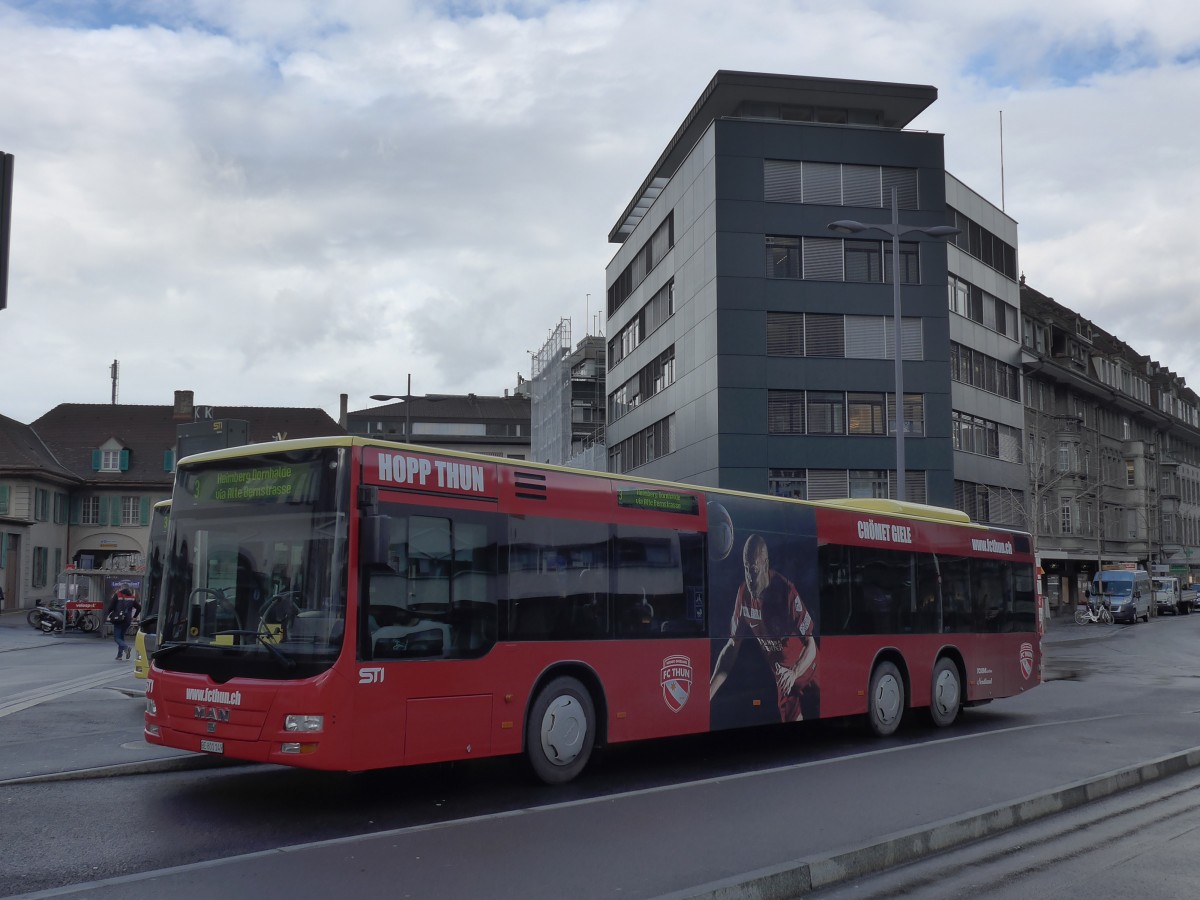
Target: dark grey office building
{"type": "Point", "coordinates": [751, 346]}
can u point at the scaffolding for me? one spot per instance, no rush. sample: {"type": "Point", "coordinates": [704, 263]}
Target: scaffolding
{"type": "Point", "coordinates": [550, 397]}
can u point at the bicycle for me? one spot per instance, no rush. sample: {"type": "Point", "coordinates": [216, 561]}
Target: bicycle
{"type": "Point", "coordinates": [1086, 614]}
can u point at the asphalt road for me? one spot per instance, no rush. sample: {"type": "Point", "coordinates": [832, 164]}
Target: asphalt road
{"type": "Point", "coordinates": [690, 817]}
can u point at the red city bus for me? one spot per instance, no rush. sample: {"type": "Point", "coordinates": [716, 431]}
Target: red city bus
{"type": "Point", "coordinates": [352, 604]}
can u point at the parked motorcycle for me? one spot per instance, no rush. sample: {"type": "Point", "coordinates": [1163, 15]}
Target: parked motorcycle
{"type": "Point", "coordinates": [51, 619]}
{"type": "Point", "coordinates": [34, 616]}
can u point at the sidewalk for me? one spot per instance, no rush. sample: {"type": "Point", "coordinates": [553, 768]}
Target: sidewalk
{"type": "Point", "coordinates": [37, 673]}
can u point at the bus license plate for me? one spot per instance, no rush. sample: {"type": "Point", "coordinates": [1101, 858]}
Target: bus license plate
{"type": "Point", "coordinates": [212, 746]}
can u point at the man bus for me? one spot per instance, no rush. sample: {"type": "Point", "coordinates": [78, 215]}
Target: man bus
{"type": "Point", "coordinates": [350, 604]}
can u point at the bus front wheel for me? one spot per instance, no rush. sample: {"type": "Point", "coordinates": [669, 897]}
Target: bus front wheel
{"type": "Point", "coordinates": [946, 701]}
{"type": "Point", "coordinates": [560, 731]}
{"type": "Point", "coordinates": [885, 701]}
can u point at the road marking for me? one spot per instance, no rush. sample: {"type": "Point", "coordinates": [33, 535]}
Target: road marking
{"type": "Point", "coordinates": [62, 689]}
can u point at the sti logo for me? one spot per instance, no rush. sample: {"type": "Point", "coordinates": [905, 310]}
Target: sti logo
{"type": "Point", "coordinates": [370, 675]}
{"type": "Point", "coordinates": [1027, 660]}
{"type": "Point", "coordinates": [676, 681]}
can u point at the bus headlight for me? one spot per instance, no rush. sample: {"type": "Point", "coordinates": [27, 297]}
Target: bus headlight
{"type": "Point", "coordinates": [151, 707]}
{"type": "Point", "coordinates": [305, 724]}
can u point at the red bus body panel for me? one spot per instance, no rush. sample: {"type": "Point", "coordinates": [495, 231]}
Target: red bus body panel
{"type": "Point", "coordinates": [382, 713]}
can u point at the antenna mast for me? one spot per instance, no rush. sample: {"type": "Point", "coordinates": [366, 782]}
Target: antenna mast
{"type": "Point", "coordinates": [1001, 160]}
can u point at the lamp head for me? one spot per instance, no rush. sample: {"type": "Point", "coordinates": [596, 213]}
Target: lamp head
{"type": "Point", "coordinates": [942, 231]}
{"type": "Point", "coordinates": [848, 226]}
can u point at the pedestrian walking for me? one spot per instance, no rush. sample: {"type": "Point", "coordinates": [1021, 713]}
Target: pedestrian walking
{"type": "Point", "coordinates": [123, 608]}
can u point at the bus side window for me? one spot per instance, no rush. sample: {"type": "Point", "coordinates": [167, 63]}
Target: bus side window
{"type": "Point", "coordinates": [957, 614]}
{"type": "Point", "coordinates": [649, 600]}
{"type": "Point", "coordinates": [837, 612]}
{"type": "Point", "coordinates": [928, 618]}
{"type": "Point", "coordinates": [557, 579]}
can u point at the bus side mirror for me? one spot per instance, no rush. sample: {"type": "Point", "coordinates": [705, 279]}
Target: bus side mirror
{"type": "Point", "coordinates": [374, 542]}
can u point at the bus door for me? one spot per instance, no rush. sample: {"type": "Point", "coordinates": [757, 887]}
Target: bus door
{"type": "Point", "coordinates": [428, 614]}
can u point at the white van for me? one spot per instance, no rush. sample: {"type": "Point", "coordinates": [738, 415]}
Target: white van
{"type": "Point", "coordinates": [1128, 593]}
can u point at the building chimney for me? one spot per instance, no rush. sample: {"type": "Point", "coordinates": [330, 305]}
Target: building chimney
{"type": "Point", "coordinates": [343, 409]}
{"type": "Point", "coordinates": [185, 406]}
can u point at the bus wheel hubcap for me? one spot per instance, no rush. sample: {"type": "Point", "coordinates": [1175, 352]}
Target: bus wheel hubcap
{"type": "Point", "coordinates": [564, 728]}
{"type": "Point", "coordinates": [945, 694]}
{"type": "Point", "coordinates": [887, 700]}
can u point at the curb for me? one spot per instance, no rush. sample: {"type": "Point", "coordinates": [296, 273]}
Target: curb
{"type": "Point", "coordinates": [804, 876]}
{"type": "Point", "coordinates": [143, 767]}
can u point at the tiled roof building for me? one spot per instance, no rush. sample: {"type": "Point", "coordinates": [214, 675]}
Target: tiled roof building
{"type": "Point", "coordinates": [77, 484]}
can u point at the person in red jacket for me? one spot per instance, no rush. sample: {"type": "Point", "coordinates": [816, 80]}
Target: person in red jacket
{"type": "Point", "coordinates": [123, 608]}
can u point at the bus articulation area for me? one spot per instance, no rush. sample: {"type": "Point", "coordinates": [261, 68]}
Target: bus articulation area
{"type": "Point", "coordinates": [351, 604]}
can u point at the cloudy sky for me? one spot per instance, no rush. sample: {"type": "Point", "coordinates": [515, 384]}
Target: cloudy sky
{"type": "Point", "coordinates": [273, 202]}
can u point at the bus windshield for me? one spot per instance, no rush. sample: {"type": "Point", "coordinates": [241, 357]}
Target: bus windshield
{"type": "Point", "coordinates": [254, 575]}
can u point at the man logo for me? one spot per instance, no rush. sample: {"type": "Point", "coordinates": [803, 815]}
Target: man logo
{"type": "Point", "coordinates": [1027, 660]}
{"type": "Point", "coordinates": [370, 675]}
{"type": "Point", "coordinates": [676, 681]}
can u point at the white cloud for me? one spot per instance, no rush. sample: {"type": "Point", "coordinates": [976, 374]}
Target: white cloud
{"type": "Point", "coordinates": [277, 202]}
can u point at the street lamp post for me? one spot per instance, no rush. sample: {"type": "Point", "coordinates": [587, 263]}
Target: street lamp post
{"type": "Point", "coordinates": [895, 229]}
{"type": "Point", "coordinates": [407, 398]}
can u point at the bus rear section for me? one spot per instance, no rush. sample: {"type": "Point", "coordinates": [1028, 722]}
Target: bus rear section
{"type": "Point", "coordinates": [348, 604]}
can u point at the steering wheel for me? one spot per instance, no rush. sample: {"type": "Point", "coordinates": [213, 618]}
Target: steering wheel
{"type": "Point", "coordinates": [291, 609]}
{"type": "Point", "coordinates": [218, 597]}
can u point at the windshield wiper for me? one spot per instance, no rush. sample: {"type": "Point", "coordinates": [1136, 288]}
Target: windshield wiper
{"type": "Point", "coordinates": [166, 650]}
{"type": "Point", "coordinates": [258, 635]}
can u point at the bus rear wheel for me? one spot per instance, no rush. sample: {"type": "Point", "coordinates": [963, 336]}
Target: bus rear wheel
{"type": "Point", "coordinates": [560, 731]}
{"type": "Point", "coordinates": [946, 700]}
{"type": "Point", "coordinates": [885, 700]}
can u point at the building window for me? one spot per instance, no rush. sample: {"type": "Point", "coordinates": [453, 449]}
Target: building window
{"type": "Point", "coordinates": [836, 184]}
{"type": "Point", "coordinates": [978, 305]}
{"type": "Point", "coordinates": [866, 413]}
{"type": "Point", "coordinates": [657, 310]}
{"type": "Point", "coordinates": [972, 434]}
{"type": "Point", "coordinates": [110, 460]}
{"type": "Point", "coordinates": [969, 366]}
{"type": "Point", "coordinates": [868, 482]}
{"type": "Point", "coordinates": [826, 412]}
{"type": "Point", "coordinates": [89, 511]}
{"type": "Point", "coordinates": [131, 510]}
{"type": "Point", "coordinates": [643, 447]}
{"type": "Point", "coordinates": [785, 412]}
{"type": "Point", "coordinates": [914, 414]}
{"type": "Point", "coordinates": [864, 261]}
{"type": "Point", "coordinates": [650, 255]}
{"type": "Point", "coordinates": [983, 245]}
{"type": "Point", "coordinates": [41, 565]}
{"type": "Point", "coordinates": [834, 336]}
{"type": "Point", "coordinates": [1065, 524]}
{"type": "Point", "coordinates": [652, 379]}
{"type": "Point", "coordinates": [1130, 473]}
{"type": "Point", "coordinates": [788, 483]}
{"type": "Point", "coordinates": [41, 505]}
{"type": "Point", "coordinates": [783, 257]}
